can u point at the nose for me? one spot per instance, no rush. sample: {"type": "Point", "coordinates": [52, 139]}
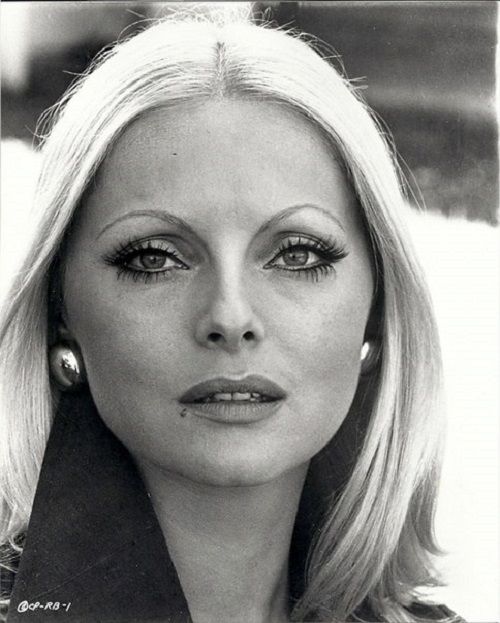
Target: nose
{"type": "Point", "coordinates": [229, 321]}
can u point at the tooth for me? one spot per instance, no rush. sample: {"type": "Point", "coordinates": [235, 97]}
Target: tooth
{"type": "Point", "coordinates": [241, 396]}
{"type": "Point", "coordinates": [221, 396]}
{"type": "Point", "coordinates": [236, 396]}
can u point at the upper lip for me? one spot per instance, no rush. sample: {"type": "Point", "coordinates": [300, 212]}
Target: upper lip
{"type": "Point", "coordinates": [249, 384]}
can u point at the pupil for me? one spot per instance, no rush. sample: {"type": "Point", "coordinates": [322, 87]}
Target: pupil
{"type": "Point", "coordinates": [153, 260]}
{"type": "Point", "coordinates": [296, 257]}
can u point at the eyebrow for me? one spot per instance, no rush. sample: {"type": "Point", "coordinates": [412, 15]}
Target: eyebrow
{"type": "Point", "coordinates": [287, 212]}
{"type": "Point", "coordinates": [174, 220]}
{"type": "Point", "coordinates": [159, 214]}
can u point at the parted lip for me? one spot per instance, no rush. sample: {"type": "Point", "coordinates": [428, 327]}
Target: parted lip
{"type": "Point", "coordinates": [249, 384]}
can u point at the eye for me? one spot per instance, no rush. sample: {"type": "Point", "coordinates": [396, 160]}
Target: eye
{"type": "Point", "coordinates": [154, 259]}
{"type": "Point", "coordinates": [146, 259]}
{"type": "Point", "coordinates": [297, 257]}
{"type": "Point", "coordinates": [307, 256]}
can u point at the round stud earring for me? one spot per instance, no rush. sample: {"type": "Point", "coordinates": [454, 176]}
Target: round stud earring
{"type": "Point", "coordinates": [369, 356]}
{"type": "Point", "coordinates": [66, 366]}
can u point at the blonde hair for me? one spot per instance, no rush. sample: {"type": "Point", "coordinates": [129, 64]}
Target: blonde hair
{"type": "Point", "coordinates": [375, 542]}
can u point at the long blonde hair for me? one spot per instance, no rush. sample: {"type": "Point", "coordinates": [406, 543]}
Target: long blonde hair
{"type": "Point", "coordinates": [375, 543]}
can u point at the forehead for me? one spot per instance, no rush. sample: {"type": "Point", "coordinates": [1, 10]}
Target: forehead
{"type": "Point", "coordinates": [216, 122]}
{"type": "Point", "coordinates": [223, 155]}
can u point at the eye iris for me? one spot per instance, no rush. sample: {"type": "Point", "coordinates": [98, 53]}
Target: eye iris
{"type": "Point", "coordinates": [152, 260]}
{"type": "Point", "coordinates": [295, 257]}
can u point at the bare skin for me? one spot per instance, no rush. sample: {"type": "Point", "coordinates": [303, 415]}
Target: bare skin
{"type": "Point", "coordinates": [221, 240]}
{"type": "Point", "coordinates": [230, 546]}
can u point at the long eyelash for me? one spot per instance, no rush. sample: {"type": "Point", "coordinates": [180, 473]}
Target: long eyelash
{"type": "Point", "coordinates": [328, 250]}
{"type": "Point", "coordinates": [137, 275]}
{"type": "Point", "coordinates": [124, 251]}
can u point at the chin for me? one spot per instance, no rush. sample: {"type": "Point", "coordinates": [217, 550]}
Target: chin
{"type": "Point", "coordinates": [235, 469]}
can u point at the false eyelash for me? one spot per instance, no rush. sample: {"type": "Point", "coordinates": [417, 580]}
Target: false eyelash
{"type": "Point", "coordinates": [329, 251]}
{"type": "Point", "coordinates": [125, 252]}
{"type": "Point", "coordinates": [137, 275]}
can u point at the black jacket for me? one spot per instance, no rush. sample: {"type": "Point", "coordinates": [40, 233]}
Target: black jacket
{"type": "Point", "coordinates": [94, 550]}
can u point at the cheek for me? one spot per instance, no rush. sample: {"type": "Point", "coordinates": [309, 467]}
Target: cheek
{"type": "Point", "coordinates": [320, 340]}
{"type": "Point", "coordinates": [130, 344]}
{"type": "Point", "coordinates": [131, 347]}
{"type": "Point", "coordinates": [322, 329]}
{"type": "Point", "coordinates": [127, 349]}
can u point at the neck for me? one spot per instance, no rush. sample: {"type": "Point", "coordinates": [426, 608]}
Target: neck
{"type": "Point", "coordinates": [230, 545]}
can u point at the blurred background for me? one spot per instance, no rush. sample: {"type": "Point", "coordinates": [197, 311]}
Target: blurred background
{"type": "Point", "coordinates": [428, 71]}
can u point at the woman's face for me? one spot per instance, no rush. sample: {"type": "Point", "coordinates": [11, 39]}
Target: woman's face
{"type": "Point", "coordinates": [218, 284]}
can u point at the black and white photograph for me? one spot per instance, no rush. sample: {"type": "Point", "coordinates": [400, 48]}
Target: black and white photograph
{"type": "Point", "coordinates": [249, 312]}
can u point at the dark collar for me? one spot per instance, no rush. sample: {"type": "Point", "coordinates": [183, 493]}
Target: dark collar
{"type": "Point", "coordinates": [94, 544]}
{"type": "Point", "coordinates": [95, 552]}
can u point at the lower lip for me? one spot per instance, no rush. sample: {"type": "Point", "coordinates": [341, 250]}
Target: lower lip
{"type": "Point", "coordinates": [234, 412]}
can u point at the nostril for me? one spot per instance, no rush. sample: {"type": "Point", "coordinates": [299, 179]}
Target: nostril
{"type": "Point", "coordinates": [214, 337]}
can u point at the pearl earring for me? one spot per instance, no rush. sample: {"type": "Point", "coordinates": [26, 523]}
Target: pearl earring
{"type": "Point", "coordinates": [369, 356]}
{"type": "Point", "coordinates": [66, 366]}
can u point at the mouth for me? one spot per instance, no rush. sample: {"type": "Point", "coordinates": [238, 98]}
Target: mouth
{"type": "Point", "coordinates": [252, 388]}
{"type": "Point", "coordinates": [249, 399]}
{"type": "Point", "coordinates": [234, 397]}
